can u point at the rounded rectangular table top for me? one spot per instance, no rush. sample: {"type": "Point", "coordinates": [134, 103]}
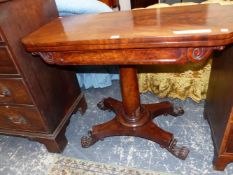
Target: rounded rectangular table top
{"type": "Point", "coordinates": [185, 26]}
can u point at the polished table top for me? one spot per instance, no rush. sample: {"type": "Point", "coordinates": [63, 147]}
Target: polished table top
{"type": "Point", "coordinates": [195, 25]}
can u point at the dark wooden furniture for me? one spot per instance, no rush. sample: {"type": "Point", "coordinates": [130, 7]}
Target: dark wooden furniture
{"type": "Point", "coordinates": [111, 3]}
{"type": "Point", "coordinates": [36, 100]}
{"type": "Point", "coordinates": [142, 3]}
{"type": "Point", "coordinates": [219, 107]}
{"type": "Point", "coordinates": [148, 36]}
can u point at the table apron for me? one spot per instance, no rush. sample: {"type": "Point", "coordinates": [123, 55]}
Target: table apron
{"type": "Point", "coordinates": [129, 56]}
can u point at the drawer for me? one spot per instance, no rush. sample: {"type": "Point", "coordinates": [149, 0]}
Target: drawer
{"type": "Point", "coordinates": [229, 147]}
{"type": "Point", "coordinates": [13, 91]}
{"type": "Point", "coordinates": [6, 64]}
{"type": "Point", "coordinates": [21, 119]}
{"type": "Point", "coordinates": [1, 36]}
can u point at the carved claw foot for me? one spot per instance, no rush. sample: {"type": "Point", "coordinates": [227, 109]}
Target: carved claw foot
{"type": "Point", "coordinates": [179, 152]}
{"type": "Point", "coordinates": [177, 111]}
{"type": "Point", "coordinates": [87, 141]}
{"type": "Point", "coordinates": [101, 106]}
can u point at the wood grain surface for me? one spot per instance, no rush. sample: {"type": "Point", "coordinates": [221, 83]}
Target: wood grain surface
{"type": "Point", "coordinates": [196, 25]}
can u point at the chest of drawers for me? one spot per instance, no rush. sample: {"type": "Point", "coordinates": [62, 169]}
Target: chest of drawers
{"type": "Point", "coordinates": [36, 100]}
{"type": "Point", "coordinates": [142, 3]}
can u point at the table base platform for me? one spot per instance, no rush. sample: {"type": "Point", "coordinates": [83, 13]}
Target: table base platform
{"type": "Point", "coordinates": [135, 119]}
{"type": "Point", "coordinates": [142, 126]}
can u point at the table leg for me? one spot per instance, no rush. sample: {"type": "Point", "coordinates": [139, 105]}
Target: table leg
{"type": "Point", "coordinates": [135, 119]}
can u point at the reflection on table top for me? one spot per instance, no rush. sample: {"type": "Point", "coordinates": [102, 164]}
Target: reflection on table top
{"type": "Point", "coordinates": [195, 25]}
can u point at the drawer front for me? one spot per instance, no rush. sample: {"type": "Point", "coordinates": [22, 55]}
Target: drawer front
{"type": "Point", "coordinates": [21, 119]}
{"type": "Point", "coordinates": [13, 91]}
{"type": "Point", "coordinates": [6, 64]}
{"type": "Point", "coordinates": [229, 146]}
{"type": "Point", "coordinates": [1, 36]}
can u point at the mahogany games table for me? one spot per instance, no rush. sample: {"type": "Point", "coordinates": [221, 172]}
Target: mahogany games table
{"type": "Point", "coordinates": [176, 35]}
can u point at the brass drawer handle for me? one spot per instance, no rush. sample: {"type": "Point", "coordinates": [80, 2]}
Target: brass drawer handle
{"type": "Point", "coordinates": [5, 92]}
{"type": "Point", "coordinates": [18, 120]}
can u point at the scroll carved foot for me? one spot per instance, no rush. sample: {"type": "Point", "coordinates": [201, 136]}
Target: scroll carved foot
{"type": "Point", "coordinates": [179, 152]}
{"type": "Point", "coordinates": [177, 111]}
{"type": "Point", "coordinates": [164, 108]}
{"type": "Point", "coordinates": [87, 141]}
{"type": "Point", "coordinates": [101, 105]}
